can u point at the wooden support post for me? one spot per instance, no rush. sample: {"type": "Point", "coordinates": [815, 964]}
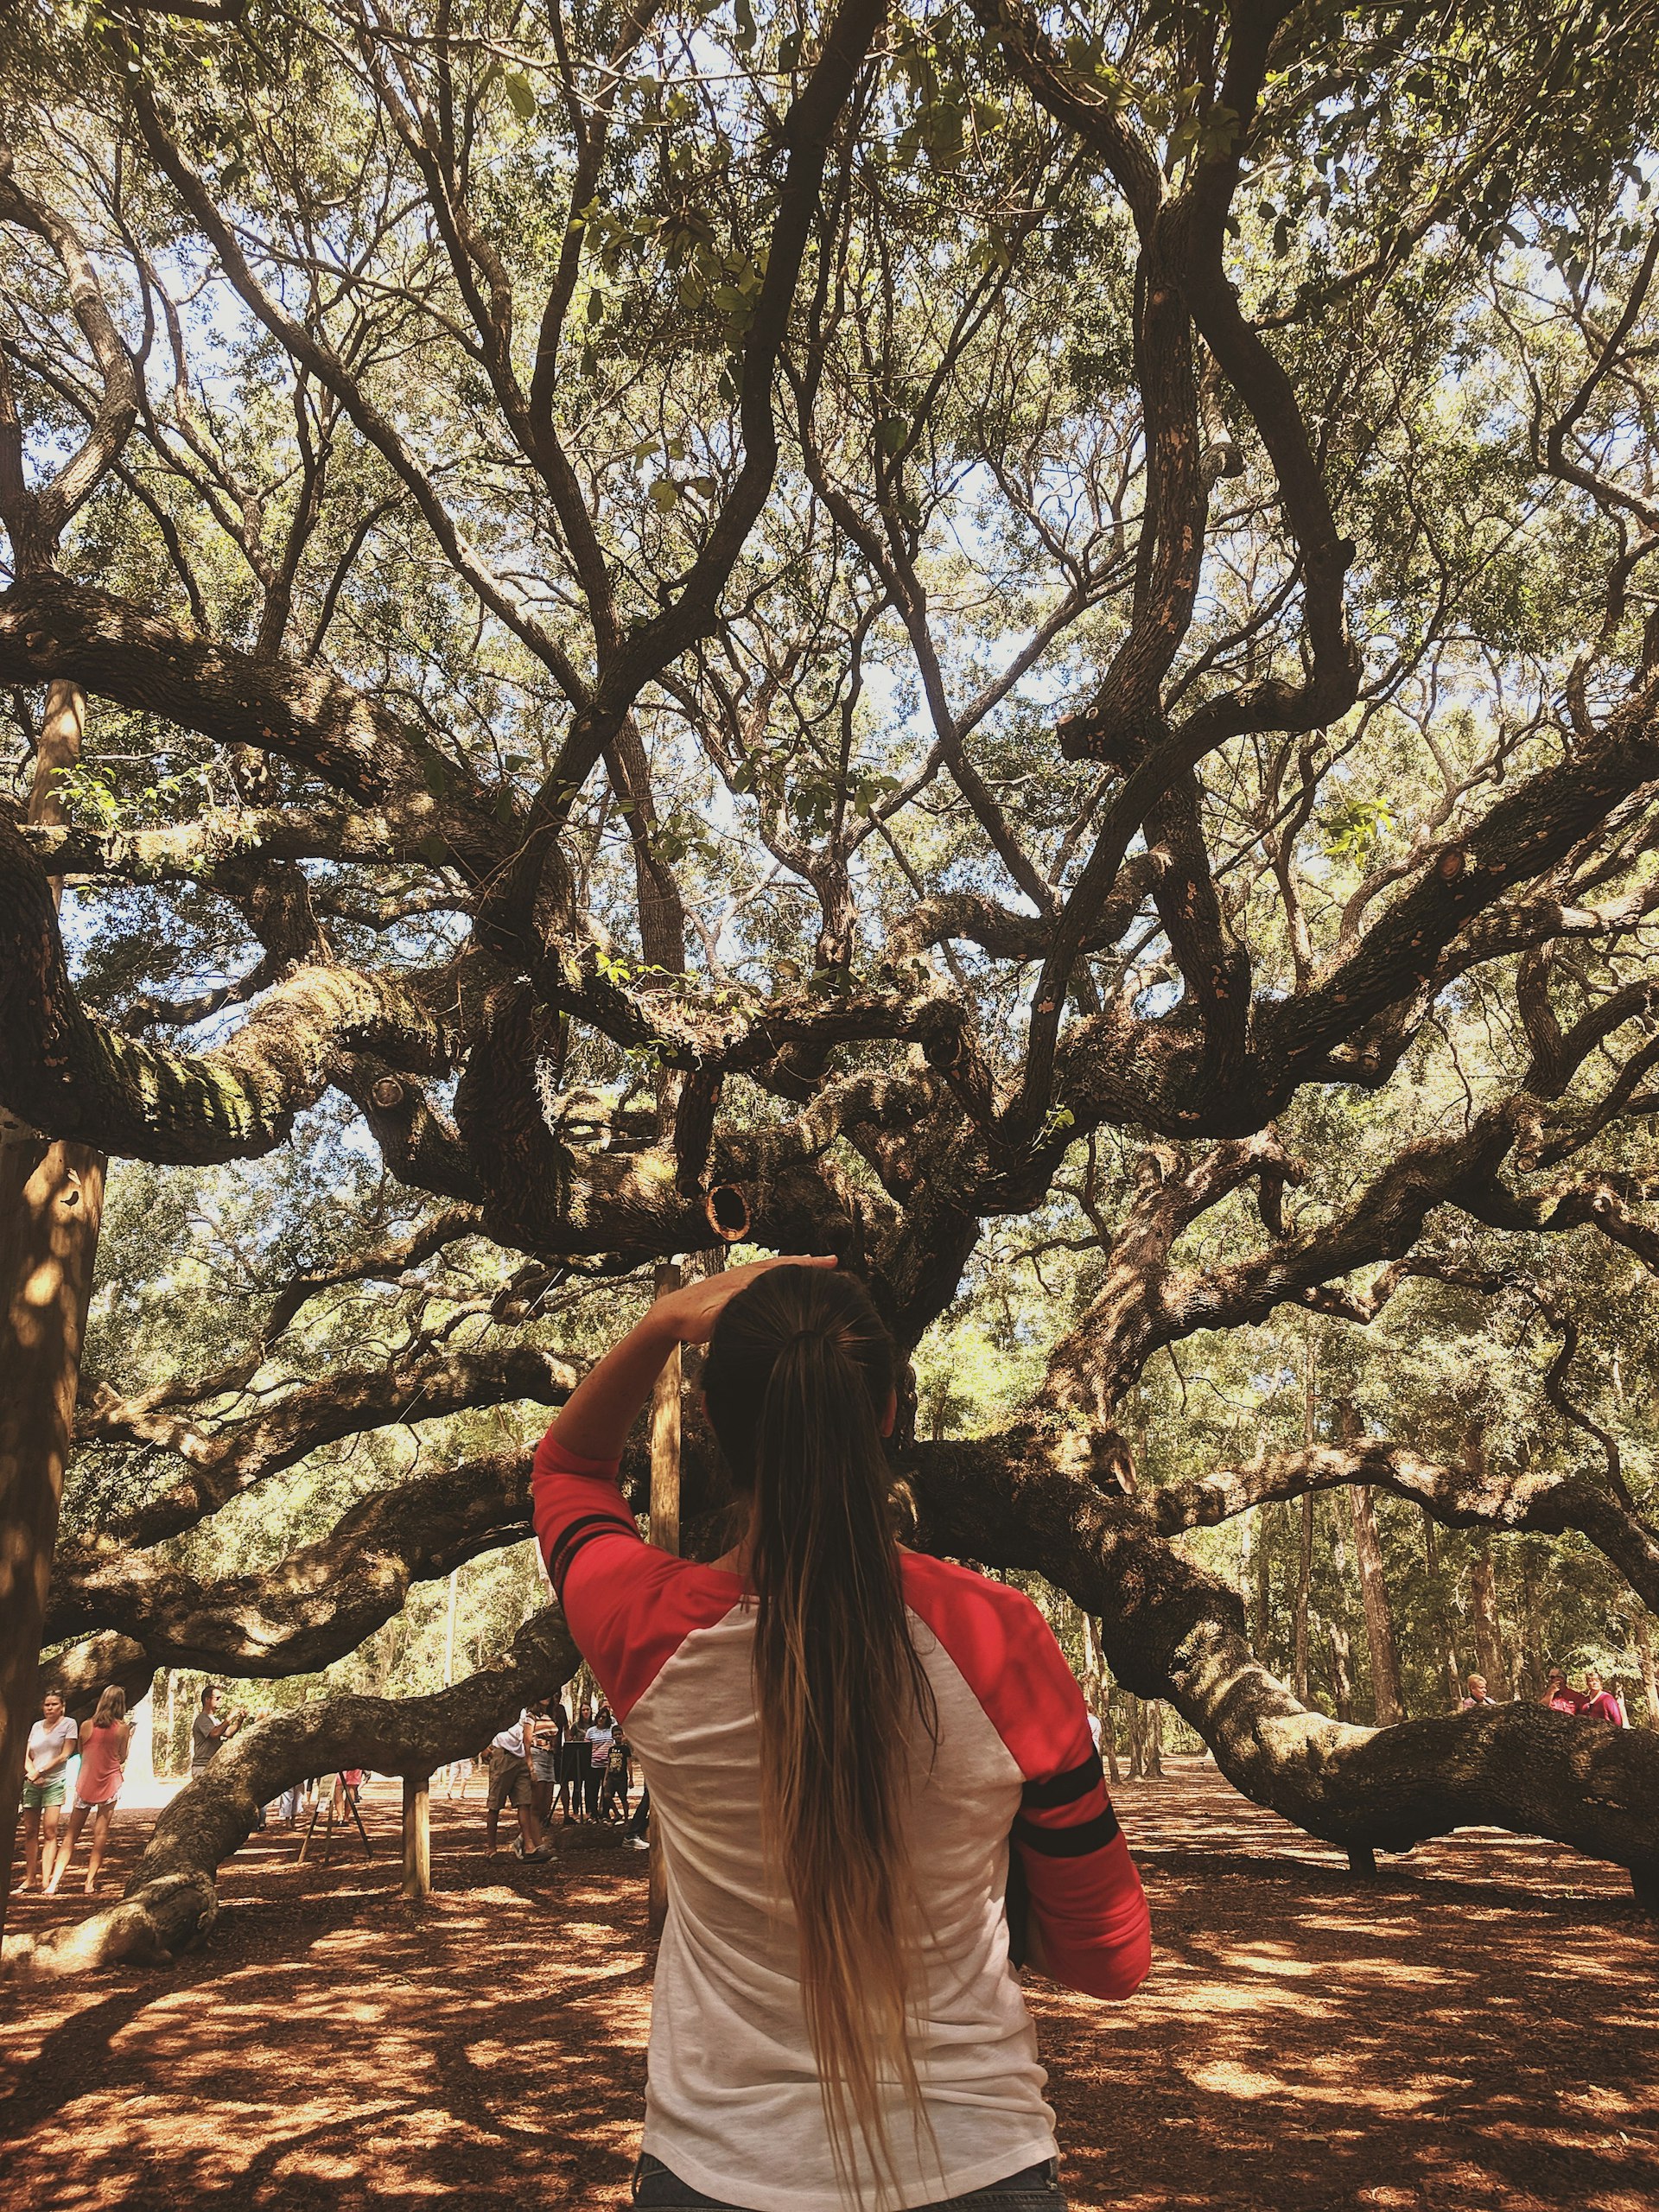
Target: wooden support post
{"type": "Point", "coordinates": [417, 1837]}
{"type": "Point", "coordinates": [665, 1535]}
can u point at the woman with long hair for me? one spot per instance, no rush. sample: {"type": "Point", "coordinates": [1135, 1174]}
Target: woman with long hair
{"type": "Point", "coordinates": [845, 1743]}
{"type": "Point", "coordinates": [103, 1745]}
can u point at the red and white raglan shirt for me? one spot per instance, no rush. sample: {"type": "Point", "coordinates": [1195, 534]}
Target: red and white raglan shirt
{"type": "Point", "coordinates": [733, 2102]}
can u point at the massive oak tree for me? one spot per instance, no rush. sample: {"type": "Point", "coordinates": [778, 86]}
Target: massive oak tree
{"type": "Point", "coordinates": [852, 630]}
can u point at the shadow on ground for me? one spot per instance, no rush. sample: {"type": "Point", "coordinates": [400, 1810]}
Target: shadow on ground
{"type": "Point", "coordinates": [1478, 2030]}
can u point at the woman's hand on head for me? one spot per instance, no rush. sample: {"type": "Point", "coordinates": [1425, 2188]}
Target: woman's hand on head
{"type": "Point", "coordinates": [692, 1311]}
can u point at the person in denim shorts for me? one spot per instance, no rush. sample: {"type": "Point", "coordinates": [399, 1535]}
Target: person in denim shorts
{"type": "Point", "coordinates": [872, 1775]}
{"type": "Point", "coordinates": [52, 1743]}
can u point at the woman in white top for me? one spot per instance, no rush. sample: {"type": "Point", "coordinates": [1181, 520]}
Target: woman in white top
{"type": "Point", "coordinates": [45, 1771]}
{"type": "Point", "coordinates": [846, 1744]}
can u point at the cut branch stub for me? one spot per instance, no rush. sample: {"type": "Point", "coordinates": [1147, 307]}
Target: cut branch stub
{"type": "Point", "coordinates": [727, 1212]}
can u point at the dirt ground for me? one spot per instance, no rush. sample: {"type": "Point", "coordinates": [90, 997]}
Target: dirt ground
{"type": "Point", "coordinates": [1478, 2030]}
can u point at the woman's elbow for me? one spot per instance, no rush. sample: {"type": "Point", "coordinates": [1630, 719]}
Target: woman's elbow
{"type": "Point", "coordinates": [1115, 1973]}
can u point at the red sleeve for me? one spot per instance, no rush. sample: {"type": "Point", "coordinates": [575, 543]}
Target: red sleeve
{"type": "Point", "coordinates": [1084, 1892]}
{"type": "Point", "coordinates": [629, 1607]}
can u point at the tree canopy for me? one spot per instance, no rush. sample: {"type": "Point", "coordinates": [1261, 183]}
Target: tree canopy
{"type": "Point", "coordinates": [1015, 643]}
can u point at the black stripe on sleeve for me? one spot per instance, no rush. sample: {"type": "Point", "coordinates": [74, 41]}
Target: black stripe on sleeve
{"type": "Point", "coordinates": [1064, 1789]}
{"type": "Point", "coordinates": [1068, 1843]}
{"type": "Point", "coordinates": [581, 1531]}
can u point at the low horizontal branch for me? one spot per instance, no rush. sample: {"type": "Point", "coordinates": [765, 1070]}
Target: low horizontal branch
{"type": "Point", "coordinates": [223, 1462]}
{"type": "Point", "coordinates": [1483, 1497]}
{"type": "Point", "coordinates": [311, 1607]}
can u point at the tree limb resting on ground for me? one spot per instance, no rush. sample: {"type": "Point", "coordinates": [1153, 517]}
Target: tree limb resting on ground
{"type": "Point", "coordinates": [1170, 1630]}
{"type": "Point", "coordinates": [172, 1899]}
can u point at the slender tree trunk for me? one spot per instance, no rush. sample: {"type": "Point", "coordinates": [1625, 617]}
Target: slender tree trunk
{"type": "Point", "coordinates": [449, 1627]}
{"type": "Point", "coordinates": [1263, 1620]}
{"type": "Point", "coordinates": [417, 1836]}
{"type": "Point", "coordinates": [51, 1200]}
{"type": "Point", "coordinates": [1389, 1707]}
{"type": "Point", "coordinates": [1246, 1554]}
{"type": "Point", "coordinates": [1304, 1528]}
{"type": "Point", "coordinates": [1137, 1739]}
{"type": "Point", "coordinates": [1649, 1665]}
{"type": "Point", "coordinates": [1155, 1740]}
{"type": "Point", "coordinates": [1489, 1645]}
{"type": "Point", "coordinates": [1341, 1671]}
{"type": "Point", "coordinates": [1108, 1734]}
{"type": "Point", "coordinates": [1445, 1634]}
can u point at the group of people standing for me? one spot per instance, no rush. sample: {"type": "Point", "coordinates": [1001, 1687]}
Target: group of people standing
{"type": "Point", "coordinates": [583, 1759]}
{"type": "Point", "coordinates": [53, 1741]}
{"type": "Point", "coordinates": [1594, 1701]}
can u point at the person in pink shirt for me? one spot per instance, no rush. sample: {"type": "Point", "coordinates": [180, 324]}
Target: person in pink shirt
{"type": "Point", "coordinates": [104, 1746]}
{"type": "Point", "coordinates": [1600, 1704]}
{"type": "Point", "coordinates": [1559, 1695]}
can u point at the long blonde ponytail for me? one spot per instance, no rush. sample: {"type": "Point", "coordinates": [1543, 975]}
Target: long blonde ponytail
{"type": "Point", "coordinates": [798, 1378]}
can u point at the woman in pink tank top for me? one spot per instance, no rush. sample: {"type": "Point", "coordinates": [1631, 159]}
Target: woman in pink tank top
{"type": "Point", "coordinates": [103, 1769]}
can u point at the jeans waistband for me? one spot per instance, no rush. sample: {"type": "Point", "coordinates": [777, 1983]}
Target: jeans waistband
{"type": "Point", "coordinates": [658, 2187]}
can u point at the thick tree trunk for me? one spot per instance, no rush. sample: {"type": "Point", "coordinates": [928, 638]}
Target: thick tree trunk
{"type": "Point", "coordinates": [51, 1201]}
{"type": "Point", "coordinates": [171, 1900]}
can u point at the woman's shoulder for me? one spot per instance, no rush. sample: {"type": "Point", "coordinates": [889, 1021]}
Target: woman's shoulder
{"type": "Point", "coordinates": [958, 1602]}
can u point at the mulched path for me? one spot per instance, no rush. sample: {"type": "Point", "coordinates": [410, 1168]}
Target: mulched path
{"type": "Point", "coordinates": [1476, 2030]}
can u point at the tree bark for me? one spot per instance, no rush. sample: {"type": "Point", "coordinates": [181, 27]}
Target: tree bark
{"type": "Point", "coordinates": [51, 1201]}
{"type": "Point", "coordinates": [1341, 1671]}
